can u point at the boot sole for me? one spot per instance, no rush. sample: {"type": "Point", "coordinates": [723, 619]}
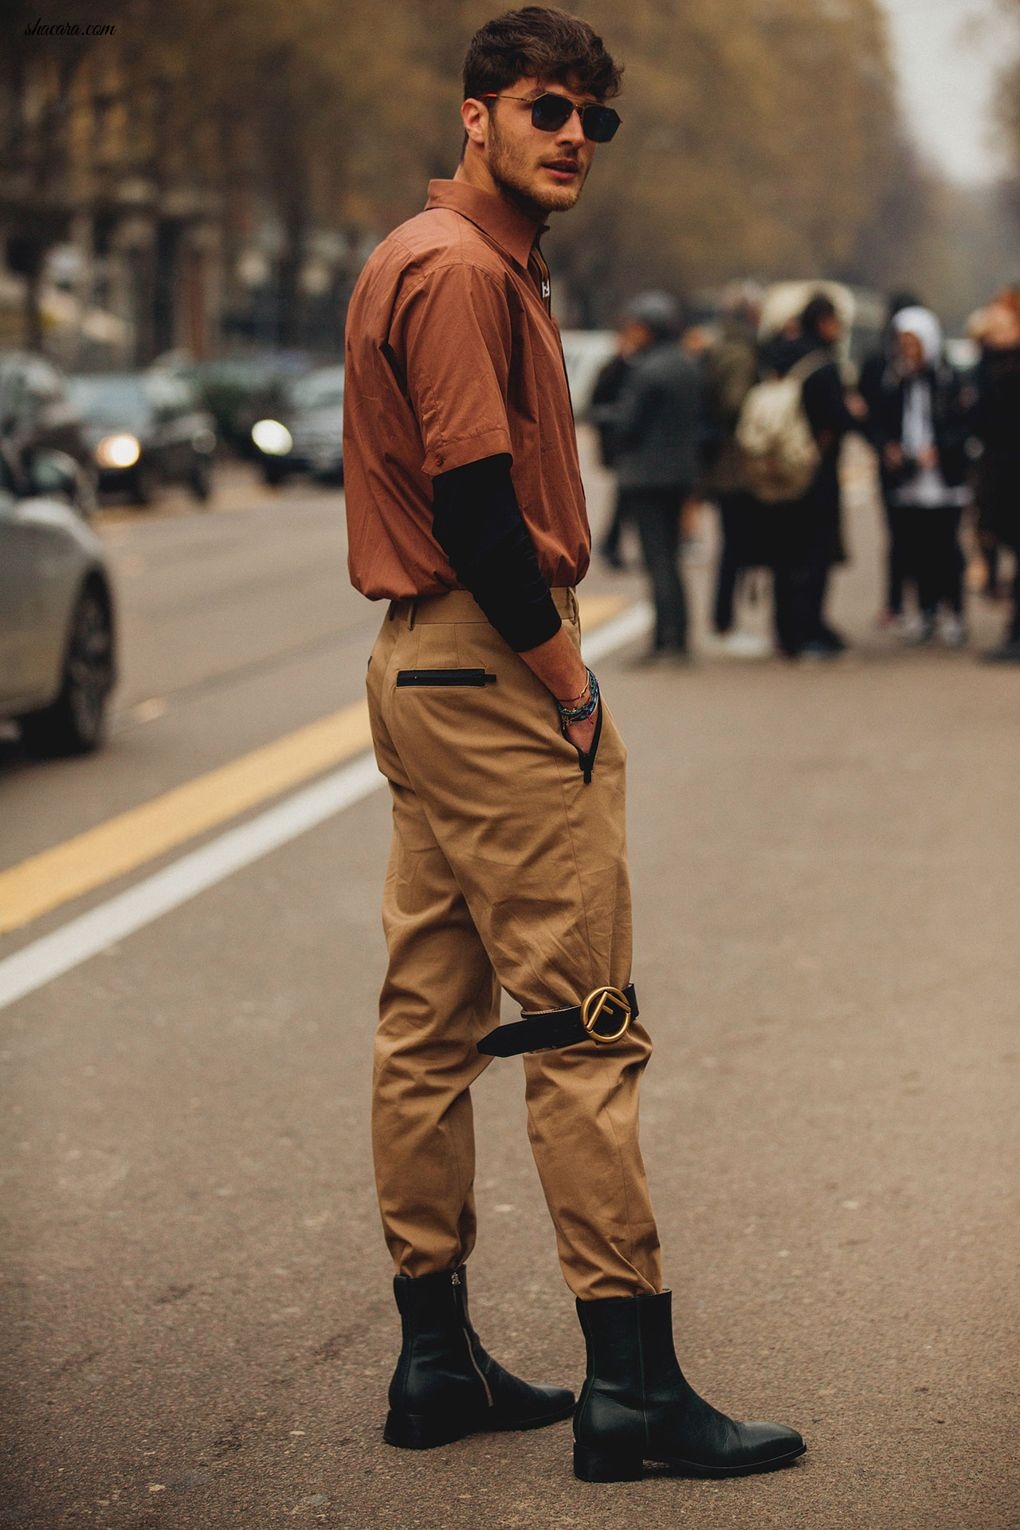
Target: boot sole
{"type": "Point", "coordinates": [594, 1465]}
{"type": "Point", "coordinates": [421, 1431]}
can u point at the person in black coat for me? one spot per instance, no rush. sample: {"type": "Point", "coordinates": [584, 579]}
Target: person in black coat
{"type": "Point", "coordinates": [919, 427]}
{"type": "Point", "coordinates": [807, 533]}
{"type": "Point", "coordinates": [869, 385]}
{"type": "Point", "coordinates": [658, 432]}
{"type": "Point", "coordinates": [995, 421]}
{"type": "Point", "coordinates": [605, 396]}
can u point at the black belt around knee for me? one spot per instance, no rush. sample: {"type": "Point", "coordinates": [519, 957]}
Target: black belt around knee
{"type": "Point", "coordinates": [604, 1017]}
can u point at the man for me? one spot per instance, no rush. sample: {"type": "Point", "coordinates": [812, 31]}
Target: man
{"type": "Point", "coordinates": [730, 372]}
{"type": "Point", "coordinates": [658, 436]}
{"type": "Point", "coordinates": [807, 534]}
{"type": "Point", "coordinates": [508, 867]}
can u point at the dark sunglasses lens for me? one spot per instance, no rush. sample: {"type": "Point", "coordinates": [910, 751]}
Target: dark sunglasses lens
{"type": "Point", "coordinates": [550, 112]}
{"type": "Point", "coordinates": [599, 123]}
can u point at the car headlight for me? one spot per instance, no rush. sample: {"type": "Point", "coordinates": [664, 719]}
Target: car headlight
{"type": "Point", "coordinates": [121, 451]}
{"type": "Point", "coordinates": [272, 438]}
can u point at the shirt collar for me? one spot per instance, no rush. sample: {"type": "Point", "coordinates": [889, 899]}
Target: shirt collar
{"type": "Point", "coordinates": [504, 223]}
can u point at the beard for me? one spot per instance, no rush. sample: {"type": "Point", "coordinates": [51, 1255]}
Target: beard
{"type": "Point", "coordinates": [518, 177]}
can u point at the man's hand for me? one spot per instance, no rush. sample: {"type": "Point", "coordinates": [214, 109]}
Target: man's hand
{"type": "Point", "coordinates": [558, 665]}
{"type": "Point", "coordinates": [562, 671]}
{"type": "Point", "coordinates": [582, 734]}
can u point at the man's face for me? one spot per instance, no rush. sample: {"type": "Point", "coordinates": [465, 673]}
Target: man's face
{"type": "Point", "coordinates": [539, 171]}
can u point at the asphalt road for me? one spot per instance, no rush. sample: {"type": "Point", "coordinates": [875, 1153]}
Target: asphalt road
{"type": "Point", "coordinates": [197, 1323]}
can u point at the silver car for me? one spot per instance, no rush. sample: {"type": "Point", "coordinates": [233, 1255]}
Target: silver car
{"type": "Point", "coordinates": [57, 618]}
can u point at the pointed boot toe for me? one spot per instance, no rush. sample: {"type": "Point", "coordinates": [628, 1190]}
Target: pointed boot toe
{"type": "Point", "coordinates": [637, 1406]}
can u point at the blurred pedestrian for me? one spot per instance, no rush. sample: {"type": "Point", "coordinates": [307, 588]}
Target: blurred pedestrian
{"type": "Point", "coordinates": [806, 534]}
{"type": "Point", "coordinates": [508, 868]}
{"type": "Point", "coordinates": [730, 371]}
{"type": "Point", "coordinates": [658, 434]}
{"type": "Point", "coordinates": [920, 429]}
{"type": "Point", "coordinates": [996, 423]}
{"type": "Point", "coordinates": [873, 370]}
{"type": "Point", "coordinates": [604, 399]}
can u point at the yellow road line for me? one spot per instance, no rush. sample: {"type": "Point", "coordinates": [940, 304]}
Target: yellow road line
{"type": "Point", "coordinates": [122, 844]}
{"type": "Point", "coordinates": [131, 839]}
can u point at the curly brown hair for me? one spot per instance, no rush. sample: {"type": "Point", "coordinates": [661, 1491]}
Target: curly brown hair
{"type": "Point", "coordinates": [544, 44]}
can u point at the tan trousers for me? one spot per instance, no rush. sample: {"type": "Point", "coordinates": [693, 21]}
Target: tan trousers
{"type": "Point", "coordinates": [506, 871]}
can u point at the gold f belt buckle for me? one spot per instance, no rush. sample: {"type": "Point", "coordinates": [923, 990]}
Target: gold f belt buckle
{"type": "Point", "coordinates": [606, 1004]}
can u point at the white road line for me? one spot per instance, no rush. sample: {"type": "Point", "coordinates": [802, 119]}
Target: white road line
{"type": "Point", "coordinates": [78, 940]}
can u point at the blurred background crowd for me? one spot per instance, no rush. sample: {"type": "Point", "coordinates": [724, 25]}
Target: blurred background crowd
{"type": "Point", "coordinates": [751, 411]}
{"type": "Point", "coordinates": [188, 193]}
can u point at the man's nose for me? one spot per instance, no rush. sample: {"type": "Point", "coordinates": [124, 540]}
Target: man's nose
{"type": "Point", "coordinates": [571, 131]}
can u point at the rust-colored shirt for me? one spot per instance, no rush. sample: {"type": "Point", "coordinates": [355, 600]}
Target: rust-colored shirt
{"type": "Point", "coordinates": [452, 357]}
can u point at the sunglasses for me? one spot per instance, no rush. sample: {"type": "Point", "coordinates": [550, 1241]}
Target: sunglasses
{"type": "Point", "coordinates": [550, 111]}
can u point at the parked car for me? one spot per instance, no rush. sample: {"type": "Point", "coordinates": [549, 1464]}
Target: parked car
{"type": "Point", "coordinates": [238, 389]}
{"type": "Point", "coordinates": [38, 416]}
{"type": "Point", "coordinates": [307, 435]}
{"type": "Point", "coordinates": [144, 430]}
{"type": "Point", "coordinates": [57, 616]}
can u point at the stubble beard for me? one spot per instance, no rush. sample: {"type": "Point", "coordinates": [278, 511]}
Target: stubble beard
{"type": "Point", "coordinates": [508, 172]}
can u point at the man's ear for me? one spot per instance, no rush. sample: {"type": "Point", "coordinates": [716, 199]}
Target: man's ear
{"type": "Point", "coordinates": [475, 116]}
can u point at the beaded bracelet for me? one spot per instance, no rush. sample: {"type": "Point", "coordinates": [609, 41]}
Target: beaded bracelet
{"type": "Point", "coordinates": [570, 715]}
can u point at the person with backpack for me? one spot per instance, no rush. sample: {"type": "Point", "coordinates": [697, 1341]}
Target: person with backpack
{"type": "Point", "coordinates": [730, 371]}
{"type": "Point", "coordinates": [791, 430]}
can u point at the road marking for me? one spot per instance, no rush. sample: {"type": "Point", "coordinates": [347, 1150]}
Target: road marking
{"type": "Point", "coordinates": [129, 911]}
{"type": "Point", "coordinates": [132, 839]}
{"type": "Point", "coordinates": [120, 845]}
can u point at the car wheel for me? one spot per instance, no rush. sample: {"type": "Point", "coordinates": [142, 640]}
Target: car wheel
{"type": "Point", "coordinates": [200, 480]}
{"type": "Point", "coordinates": [76, 722]}
{"type": "Point", "coordinates": [273, 473]}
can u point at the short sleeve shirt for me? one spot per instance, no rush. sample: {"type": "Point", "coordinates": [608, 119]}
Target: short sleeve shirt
{"type": "Point", "coordinates": [452, 357]}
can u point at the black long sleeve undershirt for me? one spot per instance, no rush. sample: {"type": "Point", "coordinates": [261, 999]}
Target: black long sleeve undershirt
{"type": "Point", "coordinates": [478, 524]}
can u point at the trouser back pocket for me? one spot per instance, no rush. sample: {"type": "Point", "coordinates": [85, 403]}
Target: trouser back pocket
{"type": "Point", "coordinates": [445, 677]}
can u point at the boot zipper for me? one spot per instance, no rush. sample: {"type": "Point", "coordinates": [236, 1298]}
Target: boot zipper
{"type": "Point", "coordinates": [477, 1369]}
{"type": "Point", "coordinates": [455, 1281]}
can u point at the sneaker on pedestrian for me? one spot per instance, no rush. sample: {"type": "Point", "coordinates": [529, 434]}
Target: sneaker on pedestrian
{"type": "Point", "coordinates": [952, 632]}
{"type": "Point", "coordinates": [740, 645]}
{"type": "Point", "coordinates": [816, 650]}
{"type": "Point", "coordinates": [917, 629]}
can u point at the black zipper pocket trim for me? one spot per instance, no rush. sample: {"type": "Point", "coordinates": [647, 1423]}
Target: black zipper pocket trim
{"type": "Point", "coordinates": [445, 677]}
{"type": "Point", "coordinates": [587, 761]}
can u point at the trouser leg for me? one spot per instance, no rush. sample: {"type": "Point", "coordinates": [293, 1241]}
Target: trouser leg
{"type": "Point", "coordinates": [540, 859]}
{"type": "Point", "coordinates": [657, 515]}
{"type": "Point", "coordinates": [951, 557]}
{"type": "Point", "coordinates": [610, 548]}
{"type": "Point", "coordinates": [1013, 633]}
{"type": "Point", "coordinates": [440, 996]}
{"type": "Point", "coordinates": [731, 557]}
{"type": "Point", "coordinates": [896, 569]}
{"type": "Point", "coordinates": [930, 559]}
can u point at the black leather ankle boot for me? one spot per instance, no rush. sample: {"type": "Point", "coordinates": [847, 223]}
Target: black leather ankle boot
{"type": "Point", "coordinates": [636, 1405]}
{"type": "Point", "coordinates": [445, 1386]}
